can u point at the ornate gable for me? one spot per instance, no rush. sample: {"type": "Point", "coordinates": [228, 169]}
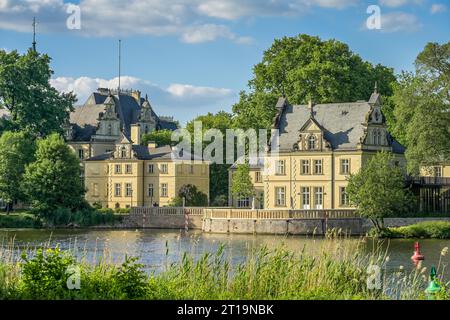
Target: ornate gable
{"type": "Point", "coordinates": [312, 136]}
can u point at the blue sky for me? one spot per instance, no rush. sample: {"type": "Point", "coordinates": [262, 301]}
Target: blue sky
{"type": "Point", "coordinates": [194, 56]}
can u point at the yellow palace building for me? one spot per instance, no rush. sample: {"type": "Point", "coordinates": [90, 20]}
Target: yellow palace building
{"type": "Point", "coordinates": [319, 147]}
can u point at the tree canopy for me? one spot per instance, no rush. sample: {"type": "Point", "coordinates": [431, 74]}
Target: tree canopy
{"type": "Point", "coordinates": [25, 91]}
{"type": "Point", "coordinates": [378, 189]}
{"type": "Point", "coordinates": [16, 151]}
{"type": "Point", "coordinates": [53, 180]}
{"type": "Point", "coordinates": [192, 196]}
{"type": "Point", "coordinates": [422, 108]}
{"type": "Point", "coordinates": [241, 183]}
{"type": "Point", "coordinates": [160, 137]}
{"type": "Point", "coordinates": [305, 67]}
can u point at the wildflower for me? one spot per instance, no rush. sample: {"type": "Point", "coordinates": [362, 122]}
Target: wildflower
{"type": "Point", "coordinates": [387, 259]}
{"type": "Point", "coordinates": [423, 270]}
{"type": "Point", "coordinates": [401, 268]}
{"type": "Point", "coordinates": [444, 251]}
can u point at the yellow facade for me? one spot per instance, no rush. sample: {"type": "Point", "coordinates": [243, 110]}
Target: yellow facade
{"type": "Point", "coordinates": [440, 170]}
{"type": "Point", "coordinates": [120, 183]}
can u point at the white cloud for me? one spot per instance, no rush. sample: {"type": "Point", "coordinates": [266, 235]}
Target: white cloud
{"type": "Point", "coordinates": [398, 3]}
{"type": "Point", "coordinates": [191, 20]}
{"type": "Point", "coordinates": [399, 21]}
{"type": "Point", "coordinates": [178, 100]}
{"type": "Point", "coordinates": [438, 8]}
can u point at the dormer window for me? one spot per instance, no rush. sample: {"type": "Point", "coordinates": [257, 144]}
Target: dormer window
{"type": "Point", "coordinates": [123, 152]}
{"type": "Point", "coordinates": [312, 142]}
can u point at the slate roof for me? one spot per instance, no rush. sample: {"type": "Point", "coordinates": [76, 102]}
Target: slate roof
{"type": "Point", "coordinates": [343, 123]}
{"type": "Point", "coordinates": [85, 118]}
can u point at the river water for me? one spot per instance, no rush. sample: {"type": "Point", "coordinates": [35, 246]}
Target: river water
{"type": "Point", "coordinates": [157, 248]}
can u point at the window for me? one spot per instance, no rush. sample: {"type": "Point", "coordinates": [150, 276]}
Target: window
{"type": "Point", "coordinates": [305, 167]}
{"type": "Point", "coordinates": [164, 190]}
{"type": "Point", "coordinates": [258, 176]}
{"type": "Point", "coordinates": [164, 168]}
{"type": "Point", "coordinates": [243, 203]}
{"type": "Point", "coordinates": [343, 196]}
{"type": "Point", "coordinates": [117, 190]}
{"type": "Point", "coordinates": [312, 142]}
{"type": "Point", "coordinates": [305, 198]}
{"type": "Point", "coordinates": [280, 167]}
{"type": "Point", "coordinates": [128, 168]}
{"type": "Point", "coordinates": [318, 198]}
{"type": "Point", "coordinates": [81, 154]}
{"type": "Point", "coordinates": [151, 168]}
{"type": "Point", "coordinates": [118, 169]}
{"type": "Point", "coordinates": [317, 166]}
{"type": "Point", "coordinates": [150, 190]}
{"type": "Point", "coordinates": [437, 171]}
{"type": "Point", "coordinates": [345, 166]}
{"type": "Point", "coordinates": [280, 196]}
{"type": "Point", "coordinates": [128, 189]}
{"type": "Point", "coordinates": [95, 190]}
{"type": "Point", "coordinates": [109, 129]}
{"type": "Point", "coordinates": [123, 152]}
{"type": "Point", "coordinates": [377, 137]}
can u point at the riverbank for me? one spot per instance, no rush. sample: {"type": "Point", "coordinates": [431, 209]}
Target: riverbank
{"type": "Point", "coordinates": [338, 271]}
{"type": "Point", "coordinates": [422, 230]}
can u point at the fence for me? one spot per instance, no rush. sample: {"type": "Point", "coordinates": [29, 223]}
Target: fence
{"type": "Point", "coordinates": [257, 214]}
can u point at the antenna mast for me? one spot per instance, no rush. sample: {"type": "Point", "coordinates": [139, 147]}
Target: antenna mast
{"type": "Point", "coordinates": [120, 57]}
{"type": "Point", "coordinates": [34, 34]}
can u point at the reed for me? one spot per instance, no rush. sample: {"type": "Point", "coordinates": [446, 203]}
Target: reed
{"type": "Point", "coordinates": [337, 271]}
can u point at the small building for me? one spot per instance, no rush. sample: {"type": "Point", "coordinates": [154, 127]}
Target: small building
{"type": "Point", "coordinates": [132, 175]}
{"type": "Point", "coordinates": [319, 147]}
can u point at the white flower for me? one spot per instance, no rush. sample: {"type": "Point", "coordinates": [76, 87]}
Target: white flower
{"type": "Point", "coordinates": [423, 270]}
{"type": "Point", "coordinates": [444, 251]}
{"type": "Point", "coordinates": [387, 259]}
{"type": "Point", "coordinates": [401, 268]}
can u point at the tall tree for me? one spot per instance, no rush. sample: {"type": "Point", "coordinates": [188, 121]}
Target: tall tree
{"type": "Point", "coordinates": [218, 172]}
{"type": "Point", "coordinates": [422, 108]}
{"type": "Point", "coordinates": [25, 91]}
{"type": "Point", "coordinates": [53, 180]}
{"type": "Point", "coordinates": [16, 151]}
{"type": "Point", "coordinates": [241, 183]}
{"type": "Point", "coordinates": [192, 196]}
{"type": "Point", "coordinates": [305, 67]}
{"type": "Point", "coordinates": [378, 190]}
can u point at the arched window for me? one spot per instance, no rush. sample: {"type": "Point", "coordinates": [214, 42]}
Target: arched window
{"type": "Point", "coordinates": [312, 142]}
{"type": "Point", "coordinates": [377, 137]}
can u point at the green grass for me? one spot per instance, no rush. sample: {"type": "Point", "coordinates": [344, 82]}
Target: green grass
{"type": "Point", "coordinates": [427, 229]}
{"type": "Point", "coordinates": [338, 271]}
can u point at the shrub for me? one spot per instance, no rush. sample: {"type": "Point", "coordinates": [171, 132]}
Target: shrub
{"type": "Point", "coordinates": [427, 229]}
{"type": "Point", "coordinates": [131, 280]}
{"type": "Point", "coordinates": [45, 275]}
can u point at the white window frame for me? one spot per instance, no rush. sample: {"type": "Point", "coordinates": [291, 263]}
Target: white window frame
{"type": "Point", "coordinates": [345, 166]}
{"type": "Point", "coordinates": [164, 190]}
{"type": "Point", "coordinates": [306, 198]}
{"type": "Point", "coordinates": [151, 168]}
{"type": "Point", "coordinates": [312, 142]}
{"type": "Point", "coordinates": [150, 190]}
{"type": "Point", "coordinates": [280, 196]}
{"type": "Point", "coordinates": [243, 202]}
{"type": "Point", "coordinates": [343, 197]}
{"type": "Point", "coordinates": [280, 167]}
{"type": "Point", "coordinates": [318, 163]}
{"type": "Point", "coordinates": [128, 189]}
{"type": "Point", "coordinates": [117, 190]}
{"type": "Point", "coordinates": [305, 169]}
{"type": "Point", "coordinates": [318, 198]}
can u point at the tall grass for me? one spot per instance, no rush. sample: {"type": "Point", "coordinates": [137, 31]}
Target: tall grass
{"type": "Point", "coordinates": [338, 271]}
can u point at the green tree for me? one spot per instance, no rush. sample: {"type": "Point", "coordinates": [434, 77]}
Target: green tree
{"type": "Point", "coordinates": [241, 183]}
{"type": "Point", "coordinates": [25, 91]}
{"type": "Point", "coordinates": [422, 109]}
{"type": "Point", "coordinates": [160, 137]}
{"type": "Point", "coordinates": [378, 190]}
{"type": "Point", "coordinates": [16, 151]}
{"type": "Point", "coordinates": [53, 180]}
{"type": "Point", "coordinates": [305, 67]}
{"type": "Point", "coordinates": [192, 196]}
{"type": "Point", "coordinates": [218, 173]}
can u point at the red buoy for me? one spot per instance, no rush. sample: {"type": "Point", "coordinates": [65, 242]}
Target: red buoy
{"type": "Point", "coordinates": [417, 256]}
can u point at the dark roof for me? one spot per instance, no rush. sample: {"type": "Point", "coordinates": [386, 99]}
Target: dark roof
{"type": "Point", "coordinates": [85, 118]}
{"type": "Point", "coordinates": [343, 123]}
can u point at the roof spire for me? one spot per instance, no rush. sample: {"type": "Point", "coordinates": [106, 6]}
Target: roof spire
{"type": "Point", "coordinates": [34, 33]}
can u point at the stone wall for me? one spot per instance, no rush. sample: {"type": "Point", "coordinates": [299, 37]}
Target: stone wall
{"type": "Point", "coordinates": [157, 221]}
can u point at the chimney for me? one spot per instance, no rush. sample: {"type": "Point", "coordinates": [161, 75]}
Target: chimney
{"type": "Point", "coordinates": [311, 107]}
{"type": "Point", "coordinates": [151, 145]}
{"type": "Point", "coordinates": [136, 94]}
{"type": "Point", "coordinates": [136, 134]}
